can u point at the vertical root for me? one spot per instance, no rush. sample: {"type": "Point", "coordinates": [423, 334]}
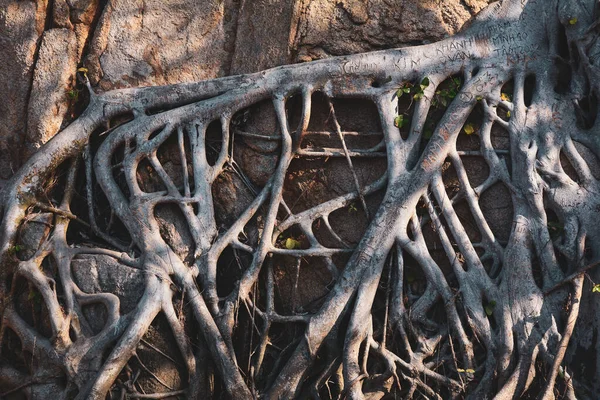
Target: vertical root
{"type": "Point", "coordinates": [125, 348]}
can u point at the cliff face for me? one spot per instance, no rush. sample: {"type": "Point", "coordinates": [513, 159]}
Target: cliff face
{"type": "Point", "coordinates": [134, 43]}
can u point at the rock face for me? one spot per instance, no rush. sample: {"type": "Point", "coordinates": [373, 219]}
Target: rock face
{"type": "Point", "coordinates": [353, 26]}
{"type": "Point", "coordinates": [141, 43]}
{"type": "Point", "coordinates": [50, 98]}
{"type": "Point", "coordinates": [21, 26]}
{"type": "Point", "coordinates": [150, 42]}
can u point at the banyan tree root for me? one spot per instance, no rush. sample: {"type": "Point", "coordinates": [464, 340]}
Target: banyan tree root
{"type": "Point", "coordinates": [494, 320]}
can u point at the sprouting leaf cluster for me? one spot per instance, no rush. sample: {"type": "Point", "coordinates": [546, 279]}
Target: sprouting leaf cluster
{"type": "Point", "coordinates": [444, 96]}
{"type": "Point", "coordinates": [400, 121]}
{"type": "Point", "coordinates": [417, 91]}
{"type": "Point", "coordinates": [352, 207]}
{"type": "Point", "coordinates": [73, 94]}
{"type": "Point", "coordinates": [15, 249]}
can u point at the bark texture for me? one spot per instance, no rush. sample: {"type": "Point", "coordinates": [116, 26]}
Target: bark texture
{"type": "Point", "coordinates": [326, 229]}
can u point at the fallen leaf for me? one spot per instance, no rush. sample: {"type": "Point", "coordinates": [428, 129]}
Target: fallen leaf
{"type": "Point", "coordinates": [469, 129]}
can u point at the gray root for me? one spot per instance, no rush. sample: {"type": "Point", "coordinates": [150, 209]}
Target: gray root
{"type": "Point", "coordinates": [474, 349]}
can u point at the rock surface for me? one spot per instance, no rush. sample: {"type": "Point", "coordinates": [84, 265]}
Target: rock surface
{"type": "Point", "coordinates": [142, 43]}
{"type": "Point", "coordinates": [328, 28]}
{"type": "Point", "coordinates": [21, 26]}
{"type": "Point", "coordinates": [51, 92]}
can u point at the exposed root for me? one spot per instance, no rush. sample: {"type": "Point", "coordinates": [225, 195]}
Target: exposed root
{"type": "Point", "coordinates": [399, 316]}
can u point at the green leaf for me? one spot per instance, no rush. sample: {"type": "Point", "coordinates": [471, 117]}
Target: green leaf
{"type": "Point", "coordinates": [573, 21]}
{"type": "Point", "coordinates": [352, 208]}
{"type": "Point", "coordinates": [505, 96]}
{"type": "Point", "coordinates": [469, 129]}
{"type": "Point", "coordinates": [489, 308]}
{"type": "Point", "coordinates": [399, 121]}
{"type": "Point", "coordinates": [479, 98]}
{"type": "Point", "coordinates": [470, 371]}
{"type": "Point", "coordinates": [596, 288]}
{"type": "Point", "coordinates": [14, 249]}
{"type": "Point", "coordinates": [418, 96]}
{"type": "Point", "coordinates": [84, 70]}
{"type": "Point", "coordinates": [291, 243]}
{"type": "Point", "coordinates": [404, 89]}
{"type": "Point", "coordinates": [424, 83]}
{"type": "Point", "coordinates": [508, 114]}
{"type": "Point", "coordinates": [73, 94]}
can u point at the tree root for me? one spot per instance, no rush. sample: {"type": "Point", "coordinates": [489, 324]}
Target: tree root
{"type": "Point", "coordinates": [478, 319]}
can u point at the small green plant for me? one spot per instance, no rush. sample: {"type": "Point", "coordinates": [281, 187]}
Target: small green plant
{"type": "Point", "coordinates": [596, 288]}
{"type": "Point", "coordinates": [489, 308]}
{"type": "Point", "coordinates": [73, 94]}
{"type": "Point", "coordinates": [573, 21]}
{"type": "Point", "coordinates": [400, 121]}
{"type": "Point", "coordinates": [505, 96]}
{"type": "Point", "coordinates": [14, 249]}
{"type": "Point", "coordinates": [404, 89]}
{"type": "Point", "coordinates": [352, 208]}
{"type": "Point", "coordinates": [444, 96]}
{"type": "Point", "coordinates": [419, 91]}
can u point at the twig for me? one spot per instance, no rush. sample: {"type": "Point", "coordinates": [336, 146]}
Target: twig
{"type": "Point", "coordinates": [571, 277]}
{"type": "Point", "coordinates": [155, 395]}
{"type": "Point", "coordinates": [159, 351]}
{"type": "Point", "coordinates": [348, 159]}
{"type": "Point", "coordinates": [62, 213]}
{"type": "Point", "coordinates": [16, 389]}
